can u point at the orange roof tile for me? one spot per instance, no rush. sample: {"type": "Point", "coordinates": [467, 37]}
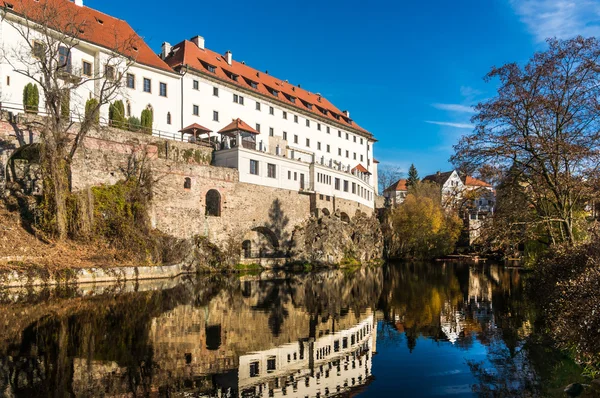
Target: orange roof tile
{"type": "Point", "coordinates": [195, 127]}
{"type": "Point", "coordinates": [189, 54]}
{"type": "Point", "coordinates": [361, 168]}
{"type": "Point", "coordinates": [474, 182]}
{"type": "Point", "coordinates": [399, 185]}
{"type": "Point", "coordinates": [237, 125]}
{"type": "Point", "coordinates": [94, 27]}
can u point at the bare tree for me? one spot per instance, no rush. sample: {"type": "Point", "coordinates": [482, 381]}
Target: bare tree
{"type": "Point", "coordinates": [387, 175]}
{"type": "Point", "coordinates": [49, 31]}
{"type": "Point", "coordinates": [545, 123]}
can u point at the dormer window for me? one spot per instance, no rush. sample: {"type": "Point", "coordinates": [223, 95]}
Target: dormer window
{"type": "Point", "coordinates": [8, 5]}
{"type": "Point", "coordinates": [211, 68]}
{"type": "Point", "coordinates": [101, 22]}
{"type": "Point", "coordinates": [309, 106]}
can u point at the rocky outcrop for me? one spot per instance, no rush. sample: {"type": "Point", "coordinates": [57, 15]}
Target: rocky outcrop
{"type": "Point", "coordinates": [329, 240]}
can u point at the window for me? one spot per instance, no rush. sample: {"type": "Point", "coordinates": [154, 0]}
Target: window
{"type": "Point", "coordinates": [271, 364]}
{"type": "Point", "coordinates": [295, 176]}
{"type": "Point", "coordinates": [254, 369]}
{"type": "Point", "coordinates": [130, 80]}
{"type": "Point", "coordinates": [271, 131]}
{"type": "Point", "coordinates": [319, 146]}
{"type": "Point", "coordinates": [307, 123]}
{"type": "Point", "coordinates": [354, 137]}
{"type": "Point", "coordinates": [339, 151]}
{"type": "Point", "coordinates": [147, 85]}
{"type": "Point", "coordinates": [215, 116]}
{"type": "Point", "coordinates": [216, 91]}
{"type": "Point", "coordinates": [8, 80]}
{"type": "Point", "coordinates": [347, 154]}
{"type": "Point", "coordinates": [168, 117]}
{"type": "Point", "coordinates": [254, 167]}
{"type": "Point", "coordinates": [354, 156]}
{"type": "Point", "coordinates": [196, 110]}
{"type": "Point", "coordinates": [289, 174]}
{"type": "Point", "coordinates": [271, 110]}
{"type": "Point", "coordinates": [196, 85]}
{"type": "Point", "coordinates": [271, 170]}
{"type": "Point", "coordinates": [238, 99]}
{"type": "Point", "coordinates": [86, 69]}
{"type": "Point", "coordinates": [353, 187]}
{"type": "Point", "coordinates": [162, 89]}
{"type": "Point", "coordinates": [361, 141]}
{"type": "Point", "coordinates": [361, 158]}
{"type": "Point", "coordinates": [187, 184]}
{"type": "Point", "coordinates": [347, 136]}
{"type": "Point", "coordinates": [328, 130]}
{"type": "Point", "coordinates": [213, 203]}
{"type": "Point", "coordinates": [258, 106]}
{"type": "Point", "coordinates": [258, 127]}
{"type": "Point", "coordinates": [345, 186]}
{"type": "Point", "coordinates": [319, 126]}
{"type": "Point", "coordinates": [295, 139]}
{"type": "Point", "coordinates": [285, 135]}
{"type": "Point", "coordinates": [39, 49]}
{"type": "Point", "coordinates": [211, 68]}
{"type": "Point", "coordinates": [308, 142]}
{"type": "Point", "coordinates": [109, 72]}
{"type": "Point", "coordinates": [284, 114]}
{"type": "Point", "coordinates": [328, 148]}
{"type": "Point", "coordinates": [295, 118]}
{"type": "Point", "coordinates": [337, 184]}
{"type": "Point", "coordinates": [339, 133]}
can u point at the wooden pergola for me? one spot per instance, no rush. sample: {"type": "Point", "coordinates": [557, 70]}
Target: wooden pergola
{"type": "Point", "coordinates": [195, 129]}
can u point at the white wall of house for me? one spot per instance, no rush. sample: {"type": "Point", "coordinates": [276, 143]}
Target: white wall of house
{"type": "Point", "coordinates": [12, 82]}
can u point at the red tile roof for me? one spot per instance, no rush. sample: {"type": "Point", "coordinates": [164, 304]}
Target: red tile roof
{"type": "Point", "coordinates": [361, 168]}
{"type": "Point", "coordinates": [195, 127]}
{"type": "Point", "coordinates": [399, 185]}
{"type": "Point", "coordinates": [94, 27]}
{"type": "Point", "coordinates": [237, 125]}
{"type": "Point", "coordinates": [474, 182]}
{"type": "Point", "coordinates": [189, 54]}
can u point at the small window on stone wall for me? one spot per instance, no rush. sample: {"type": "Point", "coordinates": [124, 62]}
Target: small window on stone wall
{"type": "Point", "coordinates": [188, 183]}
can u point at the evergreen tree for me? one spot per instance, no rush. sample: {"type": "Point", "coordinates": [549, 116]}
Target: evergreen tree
{"type": "Point", "coordinates": [146, 120]}
{"type": "Point", "coordinates": [31, 98]}
{"type": "Point", "coordinates": [116, 114]}
{"type": "Point", "coordinates": [92, 106]}
{"type": "Point", "coordinates": [413, 176]}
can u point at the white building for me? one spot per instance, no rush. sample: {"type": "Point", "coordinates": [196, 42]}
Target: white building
{"type": "Point", "coordinates": [396, 193]}
{"type": "Point", "coordinates": [299, 140]}
{"type": "Point", "coordinates": [102, 42]}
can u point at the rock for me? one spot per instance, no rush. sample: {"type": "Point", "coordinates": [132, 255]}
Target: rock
{"type": "Point", "coordinates": [574, 389]}
{"type": "Point", "coordinates": [328, 240]}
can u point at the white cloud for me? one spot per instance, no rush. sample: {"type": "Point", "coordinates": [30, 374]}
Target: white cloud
{"type": "Point", "coordinates": [559, 18]}
{"type": "Point", "coordinates": [452, 124]}
{"type": "Point", "coordinates": [454, 107]}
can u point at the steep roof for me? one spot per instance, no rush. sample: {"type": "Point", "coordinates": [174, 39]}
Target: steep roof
{"type": "Point", "coordinates": [94, 27]}
{"type": "Point", "coordinates": [474, 182]}
{"type": "Point", "coordinates": [215, 65]}
{"type": "Point", "coordinates": [238, 125]}
{"type": "Point", "coordinates": [399, 185]}
{"type": "Point", "coordinates": [195, 127]}
{"type": "Point", "coordinates": [439, 177]}
{"type": "Point", "coordinates": [361, 168]}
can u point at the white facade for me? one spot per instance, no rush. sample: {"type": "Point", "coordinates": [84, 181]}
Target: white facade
{"type": "Point", "coordinates": [20, 57]}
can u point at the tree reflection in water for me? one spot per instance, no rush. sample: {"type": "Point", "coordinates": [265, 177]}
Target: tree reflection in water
{"type": "Point", "coordinates": [272, 333]}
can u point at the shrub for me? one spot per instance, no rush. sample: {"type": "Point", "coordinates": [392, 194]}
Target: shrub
{"type": "Point", "coordinates": [92, 106]}
{"type": "Point", "coordinates": [116, 114]}
{"type": "Point", "coordinates": [146, 120]}
{"type": "Point", "coordinates": [133, 124]}
{"type": "Point", "coordinates": [31, 98]}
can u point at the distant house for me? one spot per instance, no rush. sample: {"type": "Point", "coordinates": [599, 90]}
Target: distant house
{"type": "Point", "coordinates": [451, 185]}
{"type": "Point", "coordinates": [396, 193]}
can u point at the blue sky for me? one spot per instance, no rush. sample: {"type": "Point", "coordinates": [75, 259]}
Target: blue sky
{"type": "Point", "coordinates": [407, 71]}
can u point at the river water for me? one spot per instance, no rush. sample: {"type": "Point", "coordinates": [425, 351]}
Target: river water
{"type": "Point", "coordinates": [404, 330]}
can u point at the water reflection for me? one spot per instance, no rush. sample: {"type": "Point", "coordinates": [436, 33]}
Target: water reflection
{"type": "Point", "coordinates": [278, 334]}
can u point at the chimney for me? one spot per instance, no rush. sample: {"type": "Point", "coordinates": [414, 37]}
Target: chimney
{"type": "Point", "coordinates": [346, 113]}
{"type": "Point", "coordinates": [199, 41]}
{"type": "Point", "coordinates": [78, 3]}
{"type": "Point", "coordinates": [228, 57]}
{"type": "Point", "coordinates": [166, 50]}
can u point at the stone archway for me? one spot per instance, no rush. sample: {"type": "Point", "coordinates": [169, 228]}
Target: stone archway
{"type": "Point", "coordinates": [23, 170]}
{"type": "Point", "coordinates": [260, 242]}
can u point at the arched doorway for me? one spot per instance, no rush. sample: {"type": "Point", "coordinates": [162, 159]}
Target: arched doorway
{"type": "Point", "coordinates": [213, 203]}
{"type": "Point", "coordinates": [260, 242]}
{"type": "Point", "coordinates": [247, 248]}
